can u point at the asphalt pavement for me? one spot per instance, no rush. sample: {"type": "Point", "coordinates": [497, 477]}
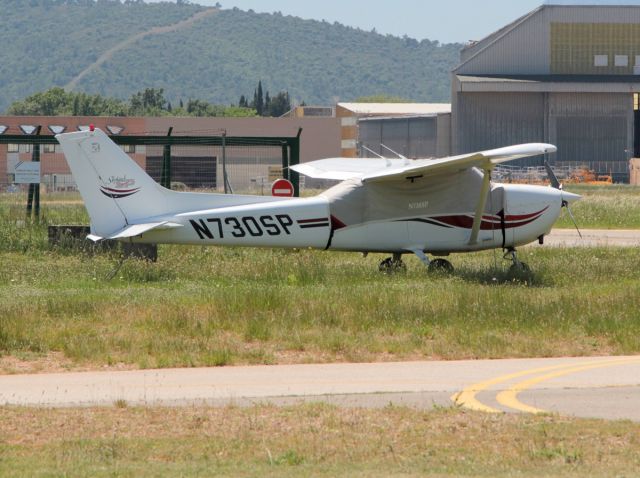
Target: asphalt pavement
{"type": "Point", "coordinates": [602, 387]}
{"type": "Point", "coordinates": [593, 238]}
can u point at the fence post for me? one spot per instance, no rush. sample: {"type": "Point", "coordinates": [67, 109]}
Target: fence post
{"type": "Point", "coordinates": [286, 172]}
{"type": "Point", "coordinates": [165, 175]}
{"type": "Point", "coordinates": [225, 178]}
{"type": "Point", "coordinates": [33, 199]}
{"type": "Point", "coordinates": [293, 160]}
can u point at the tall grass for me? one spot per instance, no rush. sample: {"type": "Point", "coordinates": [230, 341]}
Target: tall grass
{"type": "Point", "coordinates": [214, 306]}
{"type": "Point", "coordinates": [605, 207]}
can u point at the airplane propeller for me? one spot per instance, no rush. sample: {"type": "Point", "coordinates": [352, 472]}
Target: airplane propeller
{"type": "Point", "coordinates": [566, 196]}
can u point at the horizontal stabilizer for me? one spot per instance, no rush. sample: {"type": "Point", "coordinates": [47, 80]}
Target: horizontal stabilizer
{"type": "Point", "coordinates": [135, 230]}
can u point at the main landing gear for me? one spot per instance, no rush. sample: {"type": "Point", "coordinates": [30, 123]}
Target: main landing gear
{"type": "Point", "coordinates": [516, 265]}
{"type": "Point", "coordinates": [442, 266]}
{"type": "Point", "coordinates": [395, 263]}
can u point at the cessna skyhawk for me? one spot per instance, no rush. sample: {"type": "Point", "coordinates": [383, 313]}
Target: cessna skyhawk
{"type": "Point", "coordinates": [397, 206]}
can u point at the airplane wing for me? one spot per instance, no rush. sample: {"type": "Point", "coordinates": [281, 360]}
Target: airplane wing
{"type": "Point", "coordinates": [345, 168]}
{"type": "Point", "coordinates": [378, 170]}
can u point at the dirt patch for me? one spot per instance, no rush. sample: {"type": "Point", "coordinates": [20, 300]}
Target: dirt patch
{"type": "Point", "coordinates": [53, 362]}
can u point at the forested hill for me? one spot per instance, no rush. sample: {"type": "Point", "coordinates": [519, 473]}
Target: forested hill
{"type": "Point", "coordinates": [116, 49]}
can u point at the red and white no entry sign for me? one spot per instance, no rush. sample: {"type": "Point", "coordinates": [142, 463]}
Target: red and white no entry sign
{"type": "Point", "coordinates": [282, 188]}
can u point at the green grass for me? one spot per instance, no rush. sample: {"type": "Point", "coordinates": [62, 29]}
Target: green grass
{"type": "Point", "coordinates": [309, 440]}
{"type": "Point", "coordinates": [604, 207]}
{"type": "Point", "coordinates": [217, 306]}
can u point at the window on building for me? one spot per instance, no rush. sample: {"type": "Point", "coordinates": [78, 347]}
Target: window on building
{"type": "Point", "coordinates": [636, 101]}
{"type": "Point", "coordinates": [621, 60]}
{"type": "Point", "coordinates": [12, 148]}
{"type": "Point", "coordinates": [129, 148]}
{"type": "Point", "coordinates": [48, 148]}
{"type": "Point", "coordinates": [25, 148]}
{"type": "Point", "coordinates": [601, 60]}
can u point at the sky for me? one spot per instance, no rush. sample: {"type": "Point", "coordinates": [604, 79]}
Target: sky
{"type": "Point", "coordinates": [446, 21]}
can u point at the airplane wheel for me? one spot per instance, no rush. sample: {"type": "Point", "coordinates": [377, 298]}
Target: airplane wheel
{"type": "Point", "coordinates": [389, 265]}
{"type": "Point", "coordinates": [441, 265]}
{"type": "Point", "coordinates": [519, 267]}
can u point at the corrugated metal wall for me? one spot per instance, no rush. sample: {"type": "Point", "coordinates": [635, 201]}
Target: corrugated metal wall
{"type": "Point", "coordinates": [493, 120]}
{"type": "Point", "coordinates": [525, 49]}
{"type": "Point", "coordinates": [593, 129]}
{"type": "Point", "coordinates": [413, 137]}
{"type": "Point", "coordinates": [522, 50]}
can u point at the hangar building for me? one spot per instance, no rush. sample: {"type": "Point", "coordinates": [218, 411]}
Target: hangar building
{"type": "Point", "coordinates": [563, 74]}
{"type": "Point", "coordinates": [415, 130]}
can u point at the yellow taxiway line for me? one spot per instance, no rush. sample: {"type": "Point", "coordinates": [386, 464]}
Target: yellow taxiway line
{"type": "Point", "coordinates": [509, 397]}
{"type": "Point", "coordinates": [467, 397]}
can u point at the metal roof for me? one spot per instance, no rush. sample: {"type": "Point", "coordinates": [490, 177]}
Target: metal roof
{"type": "Point", "coordinates": [398, 118]}
{"type": "Point", "coordinates": [551, 78]}
{"type": "Point", "coordinates": [549, 83]}
{"type": "Point", "coordinates": [397, 108]}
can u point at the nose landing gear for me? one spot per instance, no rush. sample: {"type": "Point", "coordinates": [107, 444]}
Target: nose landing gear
{"type": "Point", "coordinates": [516, 265]}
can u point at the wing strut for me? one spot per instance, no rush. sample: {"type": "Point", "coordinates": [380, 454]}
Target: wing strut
{"type": "Point", "coordinates": [484, 193]}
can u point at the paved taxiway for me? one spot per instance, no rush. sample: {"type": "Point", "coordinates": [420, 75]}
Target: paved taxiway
{"type": "Point", "coordinates": [593, 238]}
{"type": "Point", "coordinates": [605, 387]}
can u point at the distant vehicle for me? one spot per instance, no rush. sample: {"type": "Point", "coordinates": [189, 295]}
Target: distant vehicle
{"type": "Point", "coordinates": [396, 206]}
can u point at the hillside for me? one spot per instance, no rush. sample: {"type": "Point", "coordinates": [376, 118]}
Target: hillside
{"type": "Point", "coordinates": [116, 49]}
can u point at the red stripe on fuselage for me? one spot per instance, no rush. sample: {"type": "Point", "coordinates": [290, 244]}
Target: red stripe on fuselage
{"type": "Point", "coordinates": [466, 221]}
{"type": "Point", "coordinates": [119, 191]}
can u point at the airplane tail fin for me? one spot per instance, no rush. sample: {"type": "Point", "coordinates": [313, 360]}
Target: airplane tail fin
{"type": "Point", "coordinates": [116, 191]}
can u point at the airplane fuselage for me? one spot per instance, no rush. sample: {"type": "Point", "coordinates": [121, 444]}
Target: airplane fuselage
{"type": "Point", "coordinates": [523, 214]}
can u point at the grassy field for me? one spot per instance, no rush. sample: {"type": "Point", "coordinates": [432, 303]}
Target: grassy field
{"type": "Point", "coordinates": [309, 440]}
{"type": "Point", "coordinates": [65, 310]}
{"type": "Point", "coordinates": [215, 306]}
{"type": "Point", "coordinates": [605, 207]}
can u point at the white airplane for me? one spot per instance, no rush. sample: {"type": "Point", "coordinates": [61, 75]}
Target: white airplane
{"type": "Point", "coordinates": [396, 206]}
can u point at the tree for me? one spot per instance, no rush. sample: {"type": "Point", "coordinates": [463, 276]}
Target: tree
{"type": "Point", "coordinates": [267, 104]}
{"type": "Point", "coordinates": [279, 104]}
{"type": "Point", "coordinates": [259, 106]}
{"type": "Point", "coordinates": [149, 102]}
{"type": "Point", "coordinates": [58, 102]}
